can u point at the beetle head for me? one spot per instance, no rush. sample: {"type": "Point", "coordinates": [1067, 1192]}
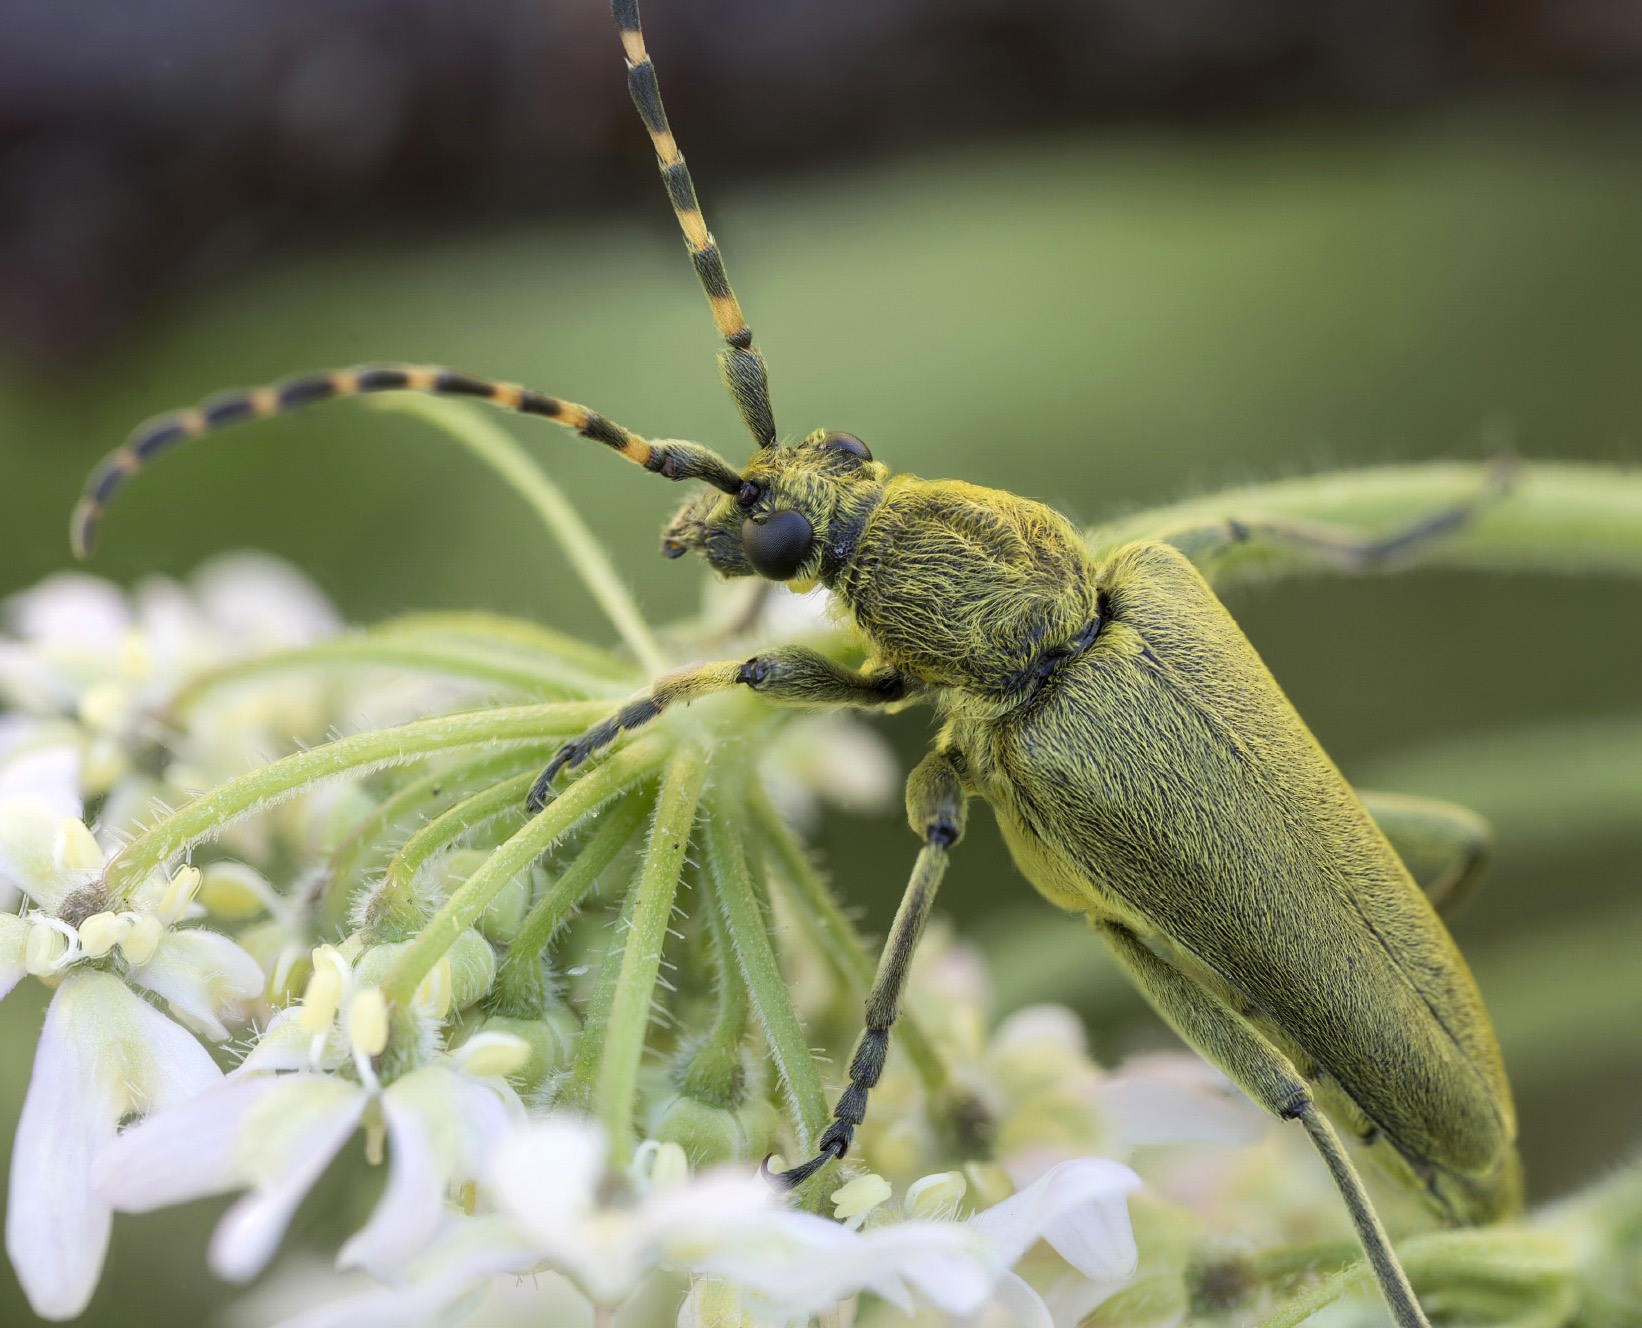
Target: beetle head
{"type": "Point", "coordinates": [794, 504]}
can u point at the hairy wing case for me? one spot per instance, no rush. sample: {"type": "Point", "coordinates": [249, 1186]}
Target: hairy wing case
{"type": "Point", "coordinates": [1175, 772]}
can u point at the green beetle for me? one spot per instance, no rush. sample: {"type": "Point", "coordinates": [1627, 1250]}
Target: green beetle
{"type": "Point", "coordinates": [1145, 767]}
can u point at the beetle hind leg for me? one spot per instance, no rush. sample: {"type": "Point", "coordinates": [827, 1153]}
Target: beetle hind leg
{"type": "Point", "coordinates": [1444, 846]}
{"type": "Point", "coordinates": [1266, 1075]}
{"type": "Point", "coordinates": [936, 806]}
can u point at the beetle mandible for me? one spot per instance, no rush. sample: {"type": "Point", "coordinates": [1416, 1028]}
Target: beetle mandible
{"type": "Point", "coordinates": [1146, 769]}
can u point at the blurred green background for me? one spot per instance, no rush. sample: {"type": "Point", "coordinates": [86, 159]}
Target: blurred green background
{"type": "Point", "coordinates": [1101, 320]}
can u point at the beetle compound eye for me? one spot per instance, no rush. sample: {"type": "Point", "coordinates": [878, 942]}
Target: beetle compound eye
{"type": "Point", "coordinates": [777, 547]}
{"type": "Point", "coordinates": [846, 442]}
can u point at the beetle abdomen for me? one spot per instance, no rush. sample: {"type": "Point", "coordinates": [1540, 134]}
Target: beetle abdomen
{"type": "Point", "coordinates": [1166, 775]}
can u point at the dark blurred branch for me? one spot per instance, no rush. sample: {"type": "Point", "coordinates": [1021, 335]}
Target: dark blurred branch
{"type": "Point", "coordinates": [146, 145]}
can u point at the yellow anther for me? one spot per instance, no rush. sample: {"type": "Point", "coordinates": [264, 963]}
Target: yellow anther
{"type": "Point", "coordinates": [76, 849]}
{"type": "Point", "coordinates": [935, 1196]}
{"type": "Point", "coordinates": [492, 1055]}
{"type": "Point", "coordinates": [321, 998]}
{"type": "Point", "coordinates": [46, 945]}
{"type": "Point", "coordinates": [101, 932]}
{"type": "Point", "coordinates": [851, 1203]}
{"type": "Point", "coordinates": [179, 892]}
{"type": "Point", "coordinates": [368, 1022]}
{"type": "Point", "coordinates": [142, 939]}
{"type": "Point", "coordinates": [659, 1168]}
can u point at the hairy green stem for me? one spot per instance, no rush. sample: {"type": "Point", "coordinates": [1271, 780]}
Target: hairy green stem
{"type": "Point", "coordinates": [429, 795]}
{"type": "Point", "coordinates": [502, 631]}
{"type": "Point", "coordinates": [1552, 518]}
{"type": "Point", "coordinates": [714, 1073]}
{"type": "Point", "coordinates": [395, 911]}
{"type": "Point", "coordinates": [630, 1010]}
{"type": "Point", "coordinates": [446, 659]}
{"type": "Point", "coordinates": [833, 934]}
{"type": "Point", "coordinates": [1326, 1292]}
{"type": "Point", "coordinates": [519, 980]}
{"type": "Point", "coordinates": [468, 901]}
{"type": "Point", "coordinates": [578, 1091]}
{"type": "Point", "coordinates": [497, 447]}
{"type": "Point", "coordinates": [210, 812]}
{"type": "Point", "coordinates": [734, 896]}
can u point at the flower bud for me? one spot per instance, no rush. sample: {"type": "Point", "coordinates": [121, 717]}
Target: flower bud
{"type": "Point", "coordinates": [142, 939]}
{"type": "Point", "coordinates": [707, 1134]}
{"type": "Point", "coordinates": [233, 891]}
{"type": "Point", "coordinates": [504, 914]}
{"type": "Point", "coordinates": [101, 932]}
{"type": "Point", "coordinates": [472, 968]}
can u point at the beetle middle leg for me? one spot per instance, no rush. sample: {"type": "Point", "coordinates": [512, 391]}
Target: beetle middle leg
{"type": "Point", "coordinates": [936, 807]}
{"type": "Point", "coordinates": [788, 675]}
{"type": "Point", "coordinates": [1444, 846]}
{"type": "Point", "coordinates": [1226, 1040]}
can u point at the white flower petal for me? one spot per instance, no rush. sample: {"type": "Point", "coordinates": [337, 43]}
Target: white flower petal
{"type": "Point", "coordinates": [441, 1127]}
{"type": "Point", "coordinates": [70, 608]}
{"type": "Point", "coordinates": [1079, 1207]}
{"type": "Point", "coordinates": [14, 939]}
{"type": "Point", "coordinates": [103, 1053]}
{"type": "Point", "coordinates": [30, 840]}
{"type": "Point", "coordinates": [791, 1264]}
{"type": "Point", "coordinates": [1023, 1304]}
{"type": "Point", "coordinates": [469, 1250]}
{"type": "Point", "coordinates": [545, 1175]}
{"type": "Point", "coordinates": [204, 976]}
{"type": "Point", "coordinates": [185, 1152]}
{"type": "Point", "coordinates": [47, 778]}
{"type": "Point", "coordinates": [1169, 1098]}
{"type": "Point", "coordinates": [261, 603]}
{"type": "Point", "coordinates": [285, 1143]}
{"type": "Point", "coordinates": [283, 1045]}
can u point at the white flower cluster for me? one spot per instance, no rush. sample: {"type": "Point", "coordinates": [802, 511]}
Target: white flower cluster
{"type": "Point", "coordinates": [128, 1109]}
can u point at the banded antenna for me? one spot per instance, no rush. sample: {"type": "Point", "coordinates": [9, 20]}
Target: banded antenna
{"type": "Point", "coordinates": [741, 366]}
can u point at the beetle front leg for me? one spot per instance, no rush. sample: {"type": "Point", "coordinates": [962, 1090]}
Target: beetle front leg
{"type": "Point", "coordinates": [788, 675]}
{"type": "Point", "coordinates": [1227, 1041]}
{"type": "Point", "coordinates": [936, 807]}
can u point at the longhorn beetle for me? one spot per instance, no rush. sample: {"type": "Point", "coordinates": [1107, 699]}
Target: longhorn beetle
{"type": "Point", "coordinates": [1143, 764]}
